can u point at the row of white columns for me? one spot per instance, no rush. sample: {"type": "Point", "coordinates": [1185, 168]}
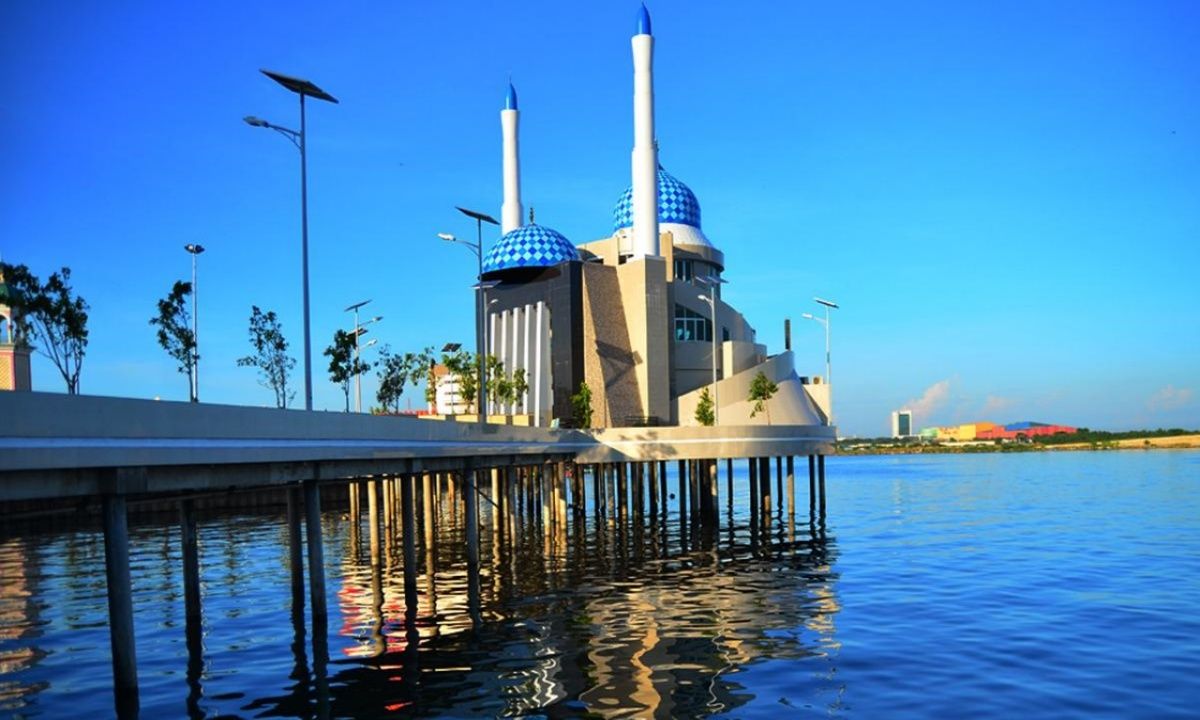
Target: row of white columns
{"type": "Point", "coordinates": [519, 338]}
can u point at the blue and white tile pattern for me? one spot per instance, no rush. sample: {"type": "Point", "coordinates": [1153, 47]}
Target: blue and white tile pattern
{"type": "Point", "coordinates": [676, 204]}
{"type": "Point", "coordinates": [529, 246]}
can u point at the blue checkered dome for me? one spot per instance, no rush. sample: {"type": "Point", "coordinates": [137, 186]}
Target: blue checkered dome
{"type": "Point", "coordinates": [676, 204]}
{"type": "Point", "coordinates": [529, 246]}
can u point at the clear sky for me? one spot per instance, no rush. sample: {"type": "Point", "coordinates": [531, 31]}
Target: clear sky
{"type": "Point", "coordinates": [1003, 196]}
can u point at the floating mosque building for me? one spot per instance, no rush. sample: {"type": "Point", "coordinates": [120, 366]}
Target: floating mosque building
{"type": "Point", "coordinates": [630, 314]}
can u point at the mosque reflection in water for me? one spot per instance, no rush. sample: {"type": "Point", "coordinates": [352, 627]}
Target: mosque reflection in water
{"type": "Point", "coordinates": [627, 615]}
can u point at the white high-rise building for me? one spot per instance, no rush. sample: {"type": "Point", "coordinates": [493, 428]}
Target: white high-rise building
{"type": "Point", "coordinates": [902, 424]}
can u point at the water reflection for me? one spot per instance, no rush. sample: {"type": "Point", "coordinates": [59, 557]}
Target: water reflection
{"type": "Point", "coordinates": [640, 609]}
{"type": "Point", "coordinates": [619, 616]}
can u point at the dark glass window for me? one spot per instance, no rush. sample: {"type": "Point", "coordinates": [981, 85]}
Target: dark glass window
{"type": "Point", "coordinates": [691, 326]}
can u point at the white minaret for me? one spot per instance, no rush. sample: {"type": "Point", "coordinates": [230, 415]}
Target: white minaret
{"type": "Point", "coordinates": [510, 210]}
{"type": "Point", "coordinates": [645, 153]}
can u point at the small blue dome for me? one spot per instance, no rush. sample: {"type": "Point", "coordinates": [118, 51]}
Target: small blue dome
{"type": "Point", "coordinates": [676, 204]}
{"type": "Point", "coordinates": [510, 100]}
{"type": "Point", "coordinates": [529, 246]}
{"type": "Point", "coordinates": [644, 21]}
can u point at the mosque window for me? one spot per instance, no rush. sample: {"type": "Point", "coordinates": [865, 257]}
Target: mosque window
{"type": "Point", "coordinates": [684, 270]}
{"type": "Point", "coordinates": [691, 326]}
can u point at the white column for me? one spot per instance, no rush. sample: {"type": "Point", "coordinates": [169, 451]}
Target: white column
{"type": "Point", "coordinates": [525, 364]}
{"type": "Point", "coordinates": [645, 154]}
{"type": "Point", "coordinates": [537, 371]}
{"type": "Point", "coordinates": [501, 351]}
{"type": "Point", "coordinates": [510, 211]}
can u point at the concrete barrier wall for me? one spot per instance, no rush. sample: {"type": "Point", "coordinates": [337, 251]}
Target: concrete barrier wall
{"type": "Point", "coordinates": [54, 445]}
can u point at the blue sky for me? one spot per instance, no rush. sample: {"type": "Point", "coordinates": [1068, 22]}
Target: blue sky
{"type": "Point", "coordinates": [1004, 197]}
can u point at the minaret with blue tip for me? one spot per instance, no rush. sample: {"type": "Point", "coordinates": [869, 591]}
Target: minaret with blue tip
{"type": "Point", "coordinates": [510, 210]}
{"type": "Point", "coordinates": [645, 153]}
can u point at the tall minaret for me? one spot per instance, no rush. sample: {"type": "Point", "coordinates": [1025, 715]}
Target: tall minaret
{"type": "Point", "coordinates": [510, 210]}
{"type": "Point", "coordinates": [645, 153]}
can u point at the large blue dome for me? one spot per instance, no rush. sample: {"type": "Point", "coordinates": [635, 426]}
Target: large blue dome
{"type": "Point", "coordinates": [529, 246]}
{"type": "Point", "coordinates": [676, 204]}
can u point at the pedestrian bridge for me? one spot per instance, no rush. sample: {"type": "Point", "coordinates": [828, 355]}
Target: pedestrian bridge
{"type": "Point", "coordinates": [59, 446]}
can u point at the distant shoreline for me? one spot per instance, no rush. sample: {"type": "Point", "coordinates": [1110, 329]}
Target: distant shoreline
{"type": "Point", "coordinates": [1178, 442]}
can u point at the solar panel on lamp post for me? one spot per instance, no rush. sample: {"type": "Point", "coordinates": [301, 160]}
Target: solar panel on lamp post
{"type": "Point", "coordinates": [713, 284]}
{"type": "Point", "coordinates": [303, 88]}
{"type": "Point", "coordinates": [195, 249]}
{"type": "Point", "coordinates": [477, 248]}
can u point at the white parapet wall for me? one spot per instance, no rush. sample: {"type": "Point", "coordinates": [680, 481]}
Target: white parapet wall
{"type": "Point", "coordinates": [792, 404]}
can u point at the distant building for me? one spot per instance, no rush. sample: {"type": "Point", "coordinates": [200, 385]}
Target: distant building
{"type": "Point", "coordinates": [902, 424]}
{"type": "Point", "coordinates": [14, 351]}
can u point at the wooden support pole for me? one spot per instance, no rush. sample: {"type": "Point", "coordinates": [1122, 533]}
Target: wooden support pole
{"type": "Point", "coordinates": [752, 471]}
{"type": "Point", "coordinates": [120, 605]}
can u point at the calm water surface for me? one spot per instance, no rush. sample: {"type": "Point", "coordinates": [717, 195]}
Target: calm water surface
{"type": "Point", "coordinates": [1050, 585]}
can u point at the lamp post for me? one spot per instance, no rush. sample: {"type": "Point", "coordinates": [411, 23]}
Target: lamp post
{"type": "Point", "coordinates": [359, 331]}
{"type": "Point", "coordinates": [195, 249]}
{"type": "Point", "coordinates": [829, 305]}
{"type": "Point", "coordinates": [477, 248]}
{"type": "Point", "coordinates": [303, 88]}
{"type": "Point", "coordinates": [713, 283]}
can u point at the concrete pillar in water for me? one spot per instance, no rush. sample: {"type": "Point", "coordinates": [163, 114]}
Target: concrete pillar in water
{"type": "Point", "coordinates": [752, 472]}
{"type": "Point", "coordinates": [729, 483]}
{"type": "Point", "coordinates": [653, 487]}
{"type": "Point", "coordinates": [821, 480]}
{"type": "Point", "coordinates": [191, 567]}
{"type": "Point", "coordinates": [714, 503]}
{"type": "Point", "coordinates": [683, 488]}
{"type": "Point", "coordinates": [623, 489]}
{"type": "Point", "coordinates": [779, 479]}
{"type": "Point", "coordinates": [791, 486]}
{"type": "Point", "coordinates": [408, 512]}
{"type": "Point", "coordinates": [316, 556]}
{"type": "Point", "coordinates": [812, 483]}
{"type": "Point", "coordinates": [471, 478]}
{"type": "Point", "coordinates": [764, 479]}
{"type": "Point", "coordinates": [428, 508]}
{"type": "Point", "coordinates": [352, 492]}
{"type": "Point", "coordinates": [120, 605]}
{"type": "Point", "coordinates": [295, 545]}
{"type": "Point", "coordinates": [373, 520]}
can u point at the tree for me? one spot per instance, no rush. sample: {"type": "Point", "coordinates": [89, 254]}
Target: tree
{"type": "Point", "coordinates": [704, 409]}
{"type": "Point", "coordinates": [174, 335]}
{"type": "Point", "coordinates": [762, 389]}
{"type": "Point", "coordinates": [396, 371]}
{"type": "Point", "coordinates": [581, 406]}
{"type": "Point", "coordinates": [519, 384]}
{"type": "Point", "coordinates": [343, 365]}
{"type": "Point", "coordinates": [52, 316]}
{"type": "Point", "coordinates": [270, 355]}
{"type": "Point", "coordinates": [462, 366]}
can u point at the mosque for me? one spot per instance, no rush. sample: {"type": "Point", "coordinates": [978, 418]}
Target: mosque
{"type": "Point", "coordinates": [630, 314]}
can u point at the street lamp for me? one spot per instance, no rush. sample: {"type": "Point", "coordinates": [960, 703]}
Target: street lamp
{"type": "Point", "coordinates": [829, 305]}
{"type": "Point", "coordinates": [714, 284]}
{"type": "Point", "coordinates": [359, 331]}
{"type": "Point", "coordinates": [303, 88]}
{"type": "Point", "coordinates": [195, 250]}
{"type": "Point", "coordinates": [477, 248]}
